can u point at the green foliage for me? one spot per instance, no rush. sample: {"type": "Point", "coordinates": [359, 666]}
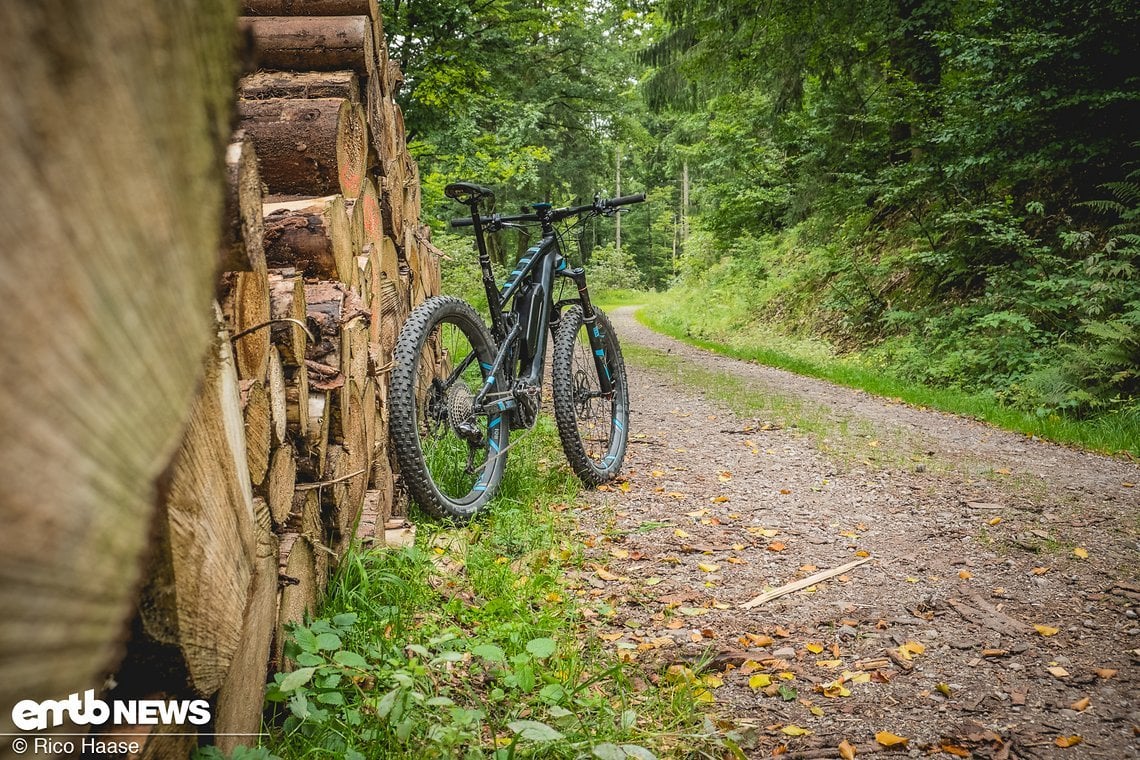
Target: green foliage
{"type": "Point", "coordinates": [471, 645]}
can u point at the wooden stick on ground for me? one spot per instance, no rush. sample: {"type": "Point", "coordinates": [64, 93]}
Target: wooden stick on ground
{"type": "Point", "coordinates": [802, 583]}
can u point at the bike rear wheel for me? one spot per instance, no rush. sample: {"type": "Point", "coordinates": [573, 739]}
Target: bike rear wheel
{"type": "Point", "coordinates": [451, 454]}
{"type": "Point", "coordinates": [593, 426]}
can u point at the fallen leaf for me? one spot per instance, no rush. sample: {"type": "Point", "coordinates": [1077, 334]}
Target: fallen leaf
{"type": "Point", "coordinates": [697, 513]}
{"type": "Point", "coordinates": [1039, 570]}
{"type": "Point", "coordinates": [795, 731]}
{"type": "Point", "coordinates": [719, 499]}
{"type": "Point", "coordinates": [619, 553]}
{"type": "Point", "coordinates": [677, 495]}
{"type": "Point", "coordinates": [658, 473]}
{"type": "Point", "coordinates": [943, 688]}
{"type": "Point", "coordinates": [777, 546]}
{"type": "Point", "coordinates": [887, 739]}
{"type": "Point", "coordinates": [1002, 471]}
{"type": "Point", "coordinates": [724, 476]}
{"type": "Point", "coordinates": [749, 666]}
{"type": "Point", "coordinates": [910, 648]}
{"type": "Point", "coordinates": [815, 648]}
{"type": "Point", "coordinates": [847, 750]}
{"type": "Point", "coordinates": [995, 520]}
{"type": "Point", "coordinates": [785, 491]}
{"type": "Point", "coordinates": [835, 689]}
{"type": "Point", "coordinates": [808, 568]}
{"type": "Point", "coordinates": [1057, 671]}
{"type": "Point", "coordinates": [692, 611]}
{"type": "Point", "coordinates": [1081, 704]}
{"type": "Point", "coordinates": [680, 533]}
{"type": "Point", "coordinates": [1068, 741]}
{"type": "Point", "coordinates": [1105, 673]}
{"type": "Point", "coordinates": [1046, 630]}
{"type": "Point", "coordinates": [965, 575]}
{"type": "Point", "coordinates": [653, 581]}
{"type": "Point", "coordinates": [816, 711]}
{"type": "Point", "coordinates": [1080, 554]}
{"type": "Point", "coordinates": [786, 676]}
{"type": "Point", "coordinates": [862, 553]}
{"type": "Point", "coordinates": [611, 636]}
{"type": "Point", "coordinates": [760, 680]}
{"type": "Point", "coordinates": [912, 579]}
{"type": "Point", "coordinates": [828, 663]}
{"type": "Point", "coordinates": [708, 567]}
{"type": "Point", "coordinates": [953, 749]}
{"type": "Point", "coordinates": [766, 532]}
{"type": "Point", "coordinates": [735, 561]}
{"type": "Point", "coordinates": [712, 681]}
{"type": "Point", "coordinates": [605, 574]}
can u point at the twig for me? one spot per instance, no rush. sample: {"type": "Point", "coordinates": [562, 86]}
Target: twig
{"type": "Point", "coordinates": [342, 478]}
{"type": "Point", "coordinates": [297, 322]}
{"type": "Point", "coordinates": [803, 583]}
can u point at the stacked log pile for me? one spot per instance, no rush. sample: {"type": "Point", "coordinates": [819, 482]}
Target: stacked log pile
{"type": "Point", "coordinates": [285, 459]}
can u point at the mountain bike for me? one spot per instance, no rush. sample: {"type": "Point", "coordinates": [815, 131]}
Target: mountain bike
{"type": "Point", "coordinates": [460, 386]}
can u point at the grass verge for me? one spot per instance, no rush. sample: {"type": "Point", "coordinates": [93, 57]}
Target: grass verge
{"type": "Point", "coordinates": [1111, 433]}
{"type": "Point", "coordinates": [470, 645]}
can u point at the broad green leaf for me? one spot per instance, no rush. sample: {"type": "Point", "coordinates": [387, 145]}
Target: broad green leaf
{"type": "Point", "coordinates": [490, 652]}
{"type": "Point", "coordinates": [350, 660]}
{"type": "Point", "coordinates": [296, 679]}
{"type": "Point", "coordinates": [328, 641]}
{"type": "Point", "coordinates": [535, 731]}
{"type": "Point", "coordinates": [542, 648]}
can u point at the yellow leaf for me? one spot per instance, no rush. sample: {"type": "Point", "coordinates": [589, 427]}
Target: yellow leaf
{"type": "Point", "coordinates": [912, 580]}
{"type": "Point", "coordinates": [624, 486]}
{"type": "Point", "coordinates": [795, 731]}
{"type": "Point", "coordinates": [759, 639]}
{"type": "Point", "coordinates": [657, 473]}
{"type": "Point", "coordinates": [1080, 554]}
{"type": "Point", "coordinates": [735, 561]}
{"type": "Point", "coordinates": [605, 575]}
{"type": "Point", "coordinates": [697, 513]}
{"type": "Point", "coordinates": [677, 495]}
{"type": "Point", "coordinates": [856, 676]}
{"type": "Point", "coordinates": [619, 553]}
{"type": "Point", "coordinates": [887, 739]}
{"type": "Point", "coordinates": [786, 676]}
{"type": "Point", "coordinates": [704, 695]}
{"type": "Point", "coordinates": [1040, 570]}
{"type": "Point", "coordinates": [835, 689]}
{"type": "Point", "coordinates": [750, 666]}
{"type": "Point", "coordinates": [1068, 741]}
{"type": "Point", "coordinates": [692, 611]}
{"type": "Point", "coordinates": [1081, 704]}
{"type": "Point", "coordinates": [954, 749]}
{"type": "Point", "coordinates": [944, 688]}
{"type": "Point", "coordinates": [738, 547]}
{"type": "Point", "coordinates": [712, 681]}
{"type": "Point", "coordinates": [1002, 471]}
{"type": "Point", "coordinates": [653, 581]}
{"type": "Point", "coordinates": [680, 533]}
{"type": "Point", "coordinates": [965, 575]}
{"type": "Point", "coordinates": [719, 499]}
{"type": "Point", "coordinates": [679, 674]}
{"type": "Point", "coordinates": [847, 750]}
{"type": "Point", "coordinates": [777, 546]}
{"type": "Point", "coordinates": [554, 597]}
{"type": "Point", "coordinates": [816, 711]}
{"type": "Point", "coordinates": [766, 532]}
{"type": "Point", "coordinates": [1046, 630]}
{"type": "Point", "coordinates": [828, 663]}
{"type": "Point", "coordinates": [995, 520]}
{"type": "Point", "coordinates": [760, 680]}
{"type": "Point", "coordinates": [911, 648]}
{"type": "Point", "coordinates": [815, 648]}
{"type": "Point", "coordinates": [708, 567]}
{"type": "Point", "coordinates": [862, 553]}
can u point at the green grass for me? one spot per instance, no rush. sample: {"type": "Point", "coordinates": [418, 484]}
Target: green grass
{"type": "Point", "coordinates": [1112, 433]}
{"type": "Point", "coordinates": [472, 645]}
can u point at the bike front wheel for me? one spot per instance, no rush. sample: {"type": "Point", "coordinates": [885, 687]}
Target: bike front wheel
{"type": "Point", "coordinates": [593, 424]}
{"type": "Point", "coordinates": [451, 454]}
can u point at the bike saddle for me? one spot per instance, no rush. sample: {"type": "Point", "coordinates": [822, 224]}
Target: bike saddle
{"type": "Point", "coordinates": [468, 193]}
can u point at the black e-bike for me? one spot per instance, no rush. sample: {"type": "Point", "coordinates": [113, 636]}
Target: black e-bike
{"type": "Point", "coordinates": [459, 387]}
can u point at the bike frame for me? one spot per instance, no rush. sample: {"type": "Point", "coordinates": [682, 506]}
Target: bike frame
{"type": "Point", "coordinates": [522, 333]}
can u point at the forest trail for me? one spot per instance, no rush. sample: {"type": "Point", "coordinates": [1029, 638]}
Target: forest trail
{"type": "Point", "coordinates": [996, 618]}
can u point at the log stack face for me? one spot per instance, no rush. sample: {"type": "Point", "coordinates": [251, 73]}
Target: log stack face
{"type": "Point", "coordinates": [284, 461]}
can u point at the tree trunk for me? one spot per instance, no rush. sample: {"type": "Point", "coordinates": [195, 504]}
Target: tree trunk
{"type": "Point", "coordinates": [256, 413]}
{"type": "Point", "coordinates": [115, 119]}
{"type": "Point", "coordinates": [241, 248]}
{"type": "Point", "coordinates": [312, 235]}
{"type": "Point", "coordinates": [308, 147]}
{"type": "Point", "coordinates": [242, 695]}
{"type": "Point", "coordinates": [265, 85]}
{"type": "Point", "coordinates": [199, 585]}
{"type": "Point", "coordinates": [313, 43]}
{"type": "Point", "coordinates": [275, 387]}
{"type": "Point", "coordinates": [277, 490]}
{"type": "Point", "coordinates": [287, 307]}
{"type": "Point", "coordinates": [245, 305]}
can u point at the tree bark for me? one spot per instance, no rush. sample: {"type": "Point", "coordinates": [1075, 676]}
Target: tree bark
{"type": "Point", "coordinates": [312, 235]}
{"type": "Point", "coordinates": [264, 85]}
{"type": "Point", "coordinates": [307, 147]}
{"type": "Point", "coordinates": [133, 101]}
{"type": "Point", "coordinates": [313, 43]}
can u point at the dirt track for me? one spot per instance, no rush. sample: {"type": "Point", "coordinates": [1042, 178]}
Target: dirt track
{"type": "Point", "coordinates": [975, 588]}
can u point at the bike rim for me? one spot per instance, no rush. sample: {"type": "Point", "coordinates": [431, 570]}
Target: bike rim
{"type": "Point", "coordinates": [459, 444]}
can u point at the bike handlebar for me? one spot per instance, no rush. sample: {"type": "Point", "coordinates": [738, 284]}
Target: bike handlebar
{"type": "Point", "coordinates": [555, 214]}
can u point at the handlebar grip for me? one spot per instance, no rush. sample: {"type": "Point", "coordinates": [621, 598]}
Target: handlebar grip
{"type": "Point", "coordinates": [626, 200]}
{"type": "Point", "coordinates": [463, 221]}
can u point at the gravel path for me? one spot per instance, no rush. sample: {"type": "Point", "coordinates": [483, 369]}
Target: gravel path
{"type": "Point", "coordinates": [997, 615]}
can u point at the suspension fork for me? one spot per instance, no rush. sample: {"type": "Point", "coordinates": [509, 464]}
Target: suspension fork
{"type": "Point", "coordinates": [593, 330]}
